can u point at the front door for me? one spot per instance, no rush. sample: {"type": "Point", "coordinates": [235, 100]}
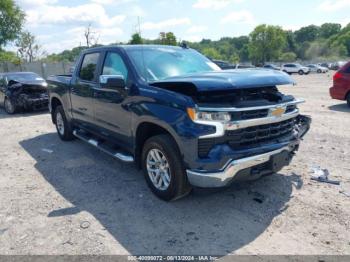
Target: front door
{"type": "Point", "coordinates": [82, 90]}
{"type": "Point", "coordinates": [111, 113]}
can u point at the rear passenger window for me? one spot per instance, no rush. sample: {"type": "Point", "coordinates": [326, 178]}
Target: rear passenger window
{"type": "Point", "coordinates": [88, 67]}
{"type": "Point", "coordinates": [114, 65]}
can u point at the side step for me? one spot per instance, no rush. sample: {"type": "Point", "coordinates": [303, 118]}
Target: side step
{"type": "Point", "coordinates": [103, 146]}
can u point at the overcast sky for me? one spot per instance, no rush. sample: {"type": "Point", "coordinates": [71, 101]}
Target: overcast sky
{"type": "Point", "coordinates": [59, 24]}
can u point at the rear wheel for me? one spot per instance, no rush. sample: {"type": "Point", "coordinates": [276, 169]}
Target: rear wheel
{"type": "Point", "coordinates": [9, 106]}
{"type": "Point", "coordinates": [63, 127]}
{"type": "Point", "coordinates": [163, 168]}
{"type": "Point", "coordinates": [348, 99]}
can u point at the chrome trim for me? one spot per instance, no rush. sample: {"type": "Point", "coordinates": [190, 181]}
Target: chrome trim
{"type": "Point", "coordinates": [260, 121]}
{"type": "Point", "coordinates": [236, 109]}
{"type": "Point", "coordinates": [119, 155]}
{"type": "Point", "coordinates": [104, 78]}
{"type": "Point", "coordinates": [224, 176]}
{"type": "Point", "coordinates": [221, 126]}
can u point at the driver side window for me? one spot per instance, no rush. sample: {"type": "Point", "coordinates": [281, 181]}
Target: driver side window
{"type": "Point", "coordinates": [114, 65]}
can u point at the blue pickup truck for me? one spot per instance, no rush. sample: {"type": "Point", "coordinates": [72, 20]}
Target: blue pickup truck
{"type": "Point", "coordinates": [180, 118]}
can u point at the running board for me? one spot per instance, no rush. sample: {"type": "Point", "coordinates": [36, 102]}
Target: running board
{"type": "Point", "coordinates": [103, 146]}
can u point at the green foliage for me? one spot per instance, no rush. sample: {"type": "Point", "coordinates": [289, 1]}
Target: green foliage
{"type": "Point", "coordinates": [7, 56]}
{"type": "Point", "coordinates": [211, 53]}
{"type": "Point", "coordinates": [329, 29]}
{"type": "Point", "coordinates": [66, 55]}
{"type": "Point", "coordinates": [266, 43]}
{"type": "Point", "coordinates": [307, 34]}
{"type": "Point", "coordinates": [136, 39]}
{"type": "Point", "coordinates": [288, 57]}
{"type": "Point", "coordinates": [11, 21]}
{"type": "Point", "coordinates": [167, 38]}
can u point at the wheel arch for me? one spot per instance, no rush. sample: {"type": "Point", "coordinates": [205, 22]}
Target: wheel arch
{"type": "Point", "coordinates": [146, 130]}
{"type": "Point", "coordinates": [54, 103]}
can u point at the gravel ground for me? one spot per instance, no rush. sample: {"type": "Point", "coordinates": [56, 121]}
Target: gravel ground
{"type": "Point", "coordinates": [69, 198]}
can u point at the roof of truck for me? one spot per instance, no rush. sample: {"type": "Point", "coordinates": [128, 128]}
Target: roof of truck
{"type": "Point", "coordinates": [132, 47]}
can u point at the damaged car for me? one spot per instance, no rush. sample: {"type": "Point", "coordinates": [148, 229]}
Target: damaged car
{"type": "Point", "coordinates": [23, 91]}
{"type": "Point", "coordinates": [178, 116]}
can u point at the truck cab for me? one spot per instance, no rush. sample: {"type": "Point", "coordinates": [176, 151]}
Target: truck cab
{"type": "Point", "coordinates": [178, 116]}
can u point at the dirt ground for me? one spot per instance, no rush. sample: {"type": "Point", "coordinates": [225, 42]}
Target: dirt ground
{"type": "Point", "coordinates": [69, 198]}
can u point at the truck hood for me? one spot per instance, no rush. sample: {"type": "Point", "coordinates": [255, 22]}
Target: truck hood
{"type": "Point", "coordinates": [226, 80]}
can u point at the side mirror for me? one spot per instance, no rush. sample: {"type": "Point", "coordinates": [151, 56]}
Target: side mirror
{"type": "Point", "coordinates": [112, 81]}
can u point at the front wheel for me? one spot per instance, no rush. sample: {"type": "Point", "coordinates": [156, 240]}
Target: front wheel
{"type": "Point", "coordinates": [9, 106]}
{"type": "Point", "coordinates": [348, 99]}
{"type": "Point", "coordinates": [63, 127]}
{"type": "Point", "coordinates": [301, 72]}
{"type": "Point", "coordinates": [163, 168]}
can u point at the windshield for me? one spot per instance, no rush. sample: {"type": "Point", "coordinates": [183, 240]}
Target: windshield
{"type": "Point", "coordinates": [158, 63]}
{"type": "Point", "coordinates": [24, 77]}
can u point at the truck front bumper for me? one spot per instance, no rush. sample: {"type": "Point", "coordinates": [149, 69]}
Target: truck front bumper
{"type": "Point", "coordinates": [245, 168]}
{"type": "Point", "coordinates": [251, 167]}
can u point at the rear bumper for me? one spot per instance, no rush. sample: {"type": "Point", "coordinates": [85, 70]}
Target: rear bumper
{"type": "Point", "coordinates": [250, 167]}
{"type": "Point", "coordinates": [337, 93]}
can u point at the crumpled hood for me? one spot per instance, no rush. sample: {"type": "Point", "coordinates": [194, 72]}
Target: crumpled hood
{"type": "Point", "coordinates": [231, 79]}
{"type": "Point", "coordinates": [35, 84]}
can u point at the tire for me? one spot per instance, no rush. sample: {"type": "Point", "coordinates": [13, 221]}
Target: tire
{"type": "Point", "coordinates": [301, 72]}
{"type": "Point", "coordinates": [319, 71]}
{"type": "Point", "coordinates": [10, 108]}
{"type": "Point", "coordinates": [161, 154]}
{"type": "Point", "coordinates": [63, 126]}
{"type": "Point", "coordinates": [348, 99]}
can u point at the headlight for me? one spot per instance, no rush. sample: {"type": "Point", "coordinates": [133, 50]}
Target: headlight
{"type": "Point", "coordinates": [208, 116]}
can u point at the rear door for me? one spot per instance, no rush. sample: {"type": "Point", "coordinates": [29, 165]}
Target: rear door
{"type": "Point", "coordinates": [82, 89]}
{"type": "Point", "coordinates": [111, 110]}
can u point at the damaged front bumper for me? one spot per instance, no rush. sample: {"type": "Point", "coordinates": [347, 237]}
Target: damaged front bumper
{"type": "Point", "coordinates": [251, 167]}
{"type": "Point", "coordinates": [28, 102]}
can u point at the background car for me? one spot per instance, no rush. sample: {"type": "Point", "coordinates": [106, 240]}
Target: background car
{"type": "Point", "coordinates": [295, 69]}
{"type": "Point", "coordinates": [317, 68]}
{"type": "Point", "coordinates": [326, 65]}
{"type": "Point", "coordinates": [341, 84]}
{"type": "Point", "coordinates": [23, 90]}
{"type": "Point", "coordinates": [224, 65]}
{"type": "Point", "coordinates": [271, 66]}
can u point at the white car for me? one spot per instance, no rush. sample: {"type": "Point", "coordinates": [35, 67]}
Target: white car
{"type": "Point", "coordinates": [295, 69]}
{"type": "Point", "coordinates": [317, 69]}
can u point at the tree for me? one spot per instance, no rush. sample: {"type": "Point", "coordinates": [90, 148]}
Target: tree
{"type": "Point", "coordinates": [266, 43]}
{"type": "Point", "coordinates": [329, 29]}
{"type": "Point", "coordinates": [167, 38]}
{"type": "Point", "coordinates": [307, 34]}
{"type": "Point", "coordinates": [11, 21]}
{"type": "Point", "coordinates": [91, 37]}
{"type": "Point", "coordinates": [28, 48]}
{"type": "Point", "coordinates": [136, 39]}
{"type": "Point", "coordinates": [7, 56]}
{"type": "Point", "coordinates": [288, 57]}
{"type": "Point", "coordinates": [211, 53]}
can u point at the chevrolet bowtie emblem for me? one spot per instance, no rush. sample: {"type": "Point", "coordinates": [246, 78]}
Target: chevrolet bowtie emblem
{"type": "Point", "coordinates": [278, 112]}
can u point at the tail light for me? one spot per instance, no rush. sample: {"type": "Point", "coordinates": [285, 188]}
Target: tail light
{"type": "Point", "coordinates": [337, 76]}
